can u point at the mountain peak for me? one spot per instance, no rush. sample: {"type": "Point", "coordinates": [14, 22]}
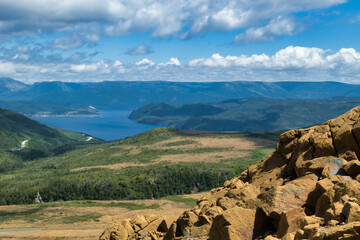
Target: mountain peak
{"type": "Point", "coordinates": [11, 85]}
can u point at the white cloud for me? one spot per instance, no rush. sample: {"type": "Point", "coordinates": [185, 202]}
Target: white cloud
{"type": "Point", "coordinates": [139, 50]}
{"type": "Point", "coordinates": [100, 68]}
{"type": "Point", "coordinates": [277, 27]}
{"type": "Point", "coordinates": [171, 62]}
{"type": "Point", "coordinates": [260, 19]}
{"type": "Point", "coordinates": [293, 63]}
{"type": "Point", "coordinates": [145, 62]}
{"type": "Point", "coordinates": [288, 58]}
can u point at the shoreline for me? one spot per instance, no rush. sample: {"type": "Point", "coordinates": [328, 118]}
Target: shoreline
{"type": "Point", "coordinates": [63, 115]}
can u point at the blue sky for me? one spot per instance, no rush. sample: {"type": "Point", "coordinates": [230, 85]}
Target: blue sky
{"type": "Point", "coordinates": [182, 40]}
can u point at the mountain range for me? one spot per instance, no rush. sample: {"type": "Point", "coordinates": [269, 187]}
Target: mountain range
{"type": "Point", "coordinates": [131, 95]}
{"type": "Point", "coordinates": [245, 114]}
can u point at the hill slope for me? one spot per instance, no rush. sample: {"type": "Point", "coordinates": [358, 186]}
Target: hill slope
{"type": "Point", "coordinates": [154, 164]}
{"type": "Point", "coordinates": [23, 139]}
{"type": "Point", "coordinates": [247, 114]}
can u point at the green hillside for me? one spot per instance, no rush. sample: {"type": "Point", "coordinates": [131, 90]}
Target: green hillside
{"type": "Point", "coordinates": [23, 139]}
{"type": "Point", "coordinates": [246, 114]}
{"type": "Point", "coordinates": [154, 164]}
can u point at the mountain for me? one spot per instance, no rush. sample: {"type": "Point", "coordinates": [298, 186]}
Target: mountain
{"type": "Point", "coordinates": [11, 85]}
{"type": "Point", "coordinates": [308, 188]}
{"type": "Point", "coordinates": [23, 139]}
{"type": "Point", "coordinates": [246, 114]}
{"type": "Point", "coordinates": [130, 95]}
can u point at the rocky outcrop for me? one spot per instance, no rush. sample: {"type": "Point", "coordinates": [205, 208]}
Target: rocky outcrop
{"type": "Point", "coordinates": [308, 188]}
{"type": "Point", "coordinates": [140, 227]}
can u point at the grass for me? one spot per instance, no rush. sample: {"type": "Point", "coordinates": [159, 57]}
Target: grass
{"type": "Point", "coordinates": [27, 215]}
{"type": "Point", "coordinates": [32, 214]}
{"type": "Point", "coordinates": [80, 218]}
{"type": "Point", "coordinates": [176, 198]}
{"type": "Point", "coordinates": [129, 206]}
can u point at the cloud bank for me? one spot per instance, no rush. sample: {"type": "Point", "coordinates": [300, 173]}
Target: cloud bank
{"type": "Point", "coordinates": [260, 20]}
{"type": "Point", "coordinates": [293, 63]}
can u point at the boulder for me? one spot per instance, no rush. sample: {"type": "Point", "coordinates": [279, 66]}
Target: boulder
{"type": "Point", "coordinates": [333, 167]}
{"type": "Point", "coordinates": [351, 211]}
{"type": "Point", "coordinates": [290, 196]}
{"type": "Point", "coordinates": [289, 222]}
{"type": "Point", "coordinates": [352, 168]}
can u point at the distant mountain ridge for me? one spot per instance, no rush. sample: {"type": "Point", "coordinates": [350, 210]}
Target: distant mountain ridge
{"type": "Point", "coordinates": [131, 95]}
{"type": "Point", "coordinates": [246, 114]}
{"type": "Point", "coordinates": [11, 85]}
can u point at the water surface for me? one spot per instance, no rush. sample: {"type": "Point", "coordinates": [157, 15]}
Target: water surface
{"type": "Point", "coordinates": [109, 125]}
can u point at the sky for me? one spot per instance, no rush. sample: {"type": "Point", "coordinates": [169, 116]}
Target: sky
{"type": "Point", "coordinates": [180, 40]}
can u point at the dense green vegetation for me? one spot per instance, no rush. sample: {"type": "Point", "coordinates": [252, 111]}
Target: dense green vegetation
{"type": "Point", "coordinates": [247, 114]}
{"type": "Point", "coordinates": [42, 141]}
{"type": "Point", "coordinates": [55, 178]}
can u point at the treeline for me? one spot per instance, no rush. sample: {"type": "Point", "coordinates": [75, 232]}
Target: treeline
{"type": "Point", "coordinates": [169, 180]}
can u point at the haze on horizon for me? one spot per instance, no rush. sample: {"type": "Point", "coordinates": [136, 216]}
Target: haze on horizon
{"type": "Point", "coordinates": [200, 40]}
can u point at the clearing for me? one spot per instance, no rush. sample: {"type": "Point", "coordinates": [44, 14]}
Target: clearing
{"type": "Point", "coordinates": [82, 219]}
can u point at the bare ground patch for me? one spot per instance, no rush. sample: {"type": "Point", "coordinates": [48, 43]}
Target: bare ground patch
{"type": "Point", "coordinates": [237, 148]}
{"type": "Point", "coordinates": [52, 227]}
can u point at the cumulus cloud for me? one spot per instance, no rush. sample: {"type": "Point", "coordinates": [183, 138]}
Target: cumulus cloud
{"type": "Point", "coordinates": [293, 63]}
{"type": "Point", "coordinates": [139, 50]}
{"type": "Point", "coordinates": [288, 58]}
{"type": "Point", "coordinates": [277, 27]}
{"type": "Point", "coordinates": [144, 63]}
{"type": "Point", "coordinates": [99, 67]}
{"type": "Point", "coordinates": [260, 19]}
{"type": "Point", "coordinates": [171, 62]}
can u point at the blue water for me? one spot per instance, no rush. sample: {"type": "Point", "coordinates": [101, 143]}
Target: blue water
{"type": "Point", "coordinates": [110, 125]}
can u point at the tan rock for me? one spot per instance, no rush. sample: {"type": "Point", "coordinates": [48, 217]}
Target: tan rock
{"type": "Point", "coordinates": [153, 226]}
{"type": "Point", "coordinates": [351, 211]}
{"type": "Point", "coordinates": [289, 236]}
{"type": "Point", "coordinates": [271, 238]}
{"type": "Point", "coordinates": [284, 198]}
{"type": "Point", "coordinates": [325, 202]}
{"type": "Point", "coordinates": [166, 223]}
{"type": "Point", "coordinates": [308, 220]}
{"type": "Point", "coordinates": [350, 231]}
{"type": "Point", "coordinates": [114, 232]}
{"type": "Point", "coordinates": [324, 185]}
{"type": "Point", "coordinates": [139, 221]}
{"type": "Point", "coordinates": [237, 223]}
{"type": "Point", "coordinates": [352, 168]}
{"type": "Point", "coordinates": [289, 222]}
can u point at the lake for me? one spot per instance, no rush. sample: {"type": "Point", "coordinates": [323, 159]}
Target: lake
{"type": "Point", "coordinates": [109, 125]}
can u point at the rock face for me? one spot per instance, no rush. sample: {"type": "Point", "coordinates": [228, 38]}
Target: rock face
{"type": "Point", "coordinates": [308, 188]}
